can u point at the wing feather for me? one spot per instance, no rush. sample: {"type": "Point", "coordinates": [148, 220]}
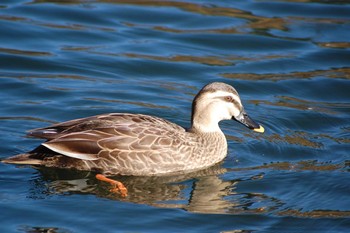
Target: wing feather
{"type": "Point", "coordinates": [110, 135]}
{"type": "Point", "coordinates": [81, 145]}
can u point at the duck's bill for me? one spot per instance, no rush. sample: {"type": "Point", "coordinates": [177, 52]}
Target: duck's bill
{"type": "Point", "coordinates": [244, 119]}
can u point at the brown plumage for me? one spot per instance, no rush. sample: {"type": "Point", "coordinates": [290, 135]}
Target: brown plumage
{"type": "Point", "coordinates": [136, 144]}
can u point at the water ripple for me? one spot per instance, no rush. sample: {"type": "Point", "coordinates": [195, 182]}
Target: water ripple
{"type": "Point", "coordinates": [288, 59]}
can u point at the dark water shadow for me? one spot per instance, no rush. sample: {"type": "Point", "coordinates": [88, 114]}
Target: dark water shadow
{"type": "Point", "coordinates": [39, 229]}
{"type": "Point", "coordinates": [206, 191]}
{"type": "Point", "coordinates": [201, 192]}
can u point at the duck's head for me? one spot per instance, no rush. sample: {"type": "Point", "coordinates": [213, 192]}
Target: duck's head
{"type": "Point", "coordinates": [216, 102]}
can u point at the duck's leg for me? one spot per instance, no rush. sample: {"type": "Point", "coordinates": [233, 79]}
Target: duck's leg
{"type": "Point", "coordinates": [118, 186]}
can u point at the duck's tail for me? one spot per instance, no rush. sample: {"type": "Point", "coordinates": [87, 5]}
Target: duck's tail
{"type": "Point", "coordinates": [34, 157]}
{"type": "Point", "coordinates": [24, 159]}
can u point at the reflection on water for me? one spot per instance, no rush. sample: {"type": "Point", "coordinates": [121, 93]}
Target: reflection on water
{"type": "Point", "coordinates": [32, 21]}
{"type": "Point", "coordinates": [191, 192]}
{"type": "Point", "coordinates": [289, 60]}
{"type": "Point", "coordinates": [307, 165]}
{"type": "Point", "coordinates": [167, 192]}
{"type": "Point", "coordinates": [24, 52]}
{"type": "Point", "coordinates": [37, 229]}
{"type": "Point", "coordinates": [332, 73]}
{"type": "Point", "coordinates": [296, 103]}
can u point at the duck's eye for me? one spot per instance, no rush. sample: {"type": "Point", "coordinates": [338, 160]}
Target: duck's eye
{"type": "Point", "coordinates": [228, 98]}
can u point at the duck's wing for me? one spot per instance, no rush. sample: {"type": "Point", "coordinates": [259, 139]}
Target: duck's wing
{"type": "Point", "coordinates": [76, 125]}
{"type": "Point", "coordinates": [81, 145]}
{"type": "Point", "coordinates": [100, 121]}
{"type": "Point", "coordinates": [96, 137]}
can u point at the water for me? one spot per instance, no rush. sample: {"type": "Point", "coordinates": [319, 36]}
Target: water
{"type": "Point", "coordinates": [289, 60]}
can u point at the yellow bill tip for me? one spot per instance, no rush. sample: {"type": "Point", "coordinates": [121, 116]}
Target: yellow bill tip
{"type": "Point", "coordinates": [260, 129]}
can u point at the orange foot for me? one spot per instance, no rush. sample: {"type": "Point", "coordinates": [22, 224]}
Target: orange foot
{"type": "Point", "coordinates": [118, 186]}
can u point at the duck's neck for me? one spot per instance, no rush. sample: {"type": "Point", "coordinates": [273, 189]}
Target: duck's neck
{"type": "Point", "coordinates": [213, 141]}
{"type": "Point", "coordinates": [205, 128]}
{"type": "Point", "coordinates": [202, 121]}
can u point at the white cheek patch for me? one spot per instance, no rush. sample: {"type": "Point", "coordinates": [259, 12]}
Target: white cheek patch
{"type": "Point", "coordinates": [235, 112]}
{"type": "Point", "coordinates": [232, 109]}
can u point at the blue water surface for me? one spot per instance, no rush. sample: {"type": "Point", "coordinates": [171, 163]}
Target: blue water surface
{"type": "Point", "coordinates": [289, 60]}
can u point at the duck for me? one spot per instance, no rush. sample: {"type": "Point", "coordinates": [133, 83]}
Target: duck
{"type": "Point", "coordinates": [141, 145]}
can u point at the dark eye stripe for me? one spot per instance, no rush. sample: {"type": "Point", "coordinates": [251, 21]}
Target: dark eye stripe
{"type": "Point", "coordinates": [233, 101]}
{"type": "Point", "coordinates": [237, 105]}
